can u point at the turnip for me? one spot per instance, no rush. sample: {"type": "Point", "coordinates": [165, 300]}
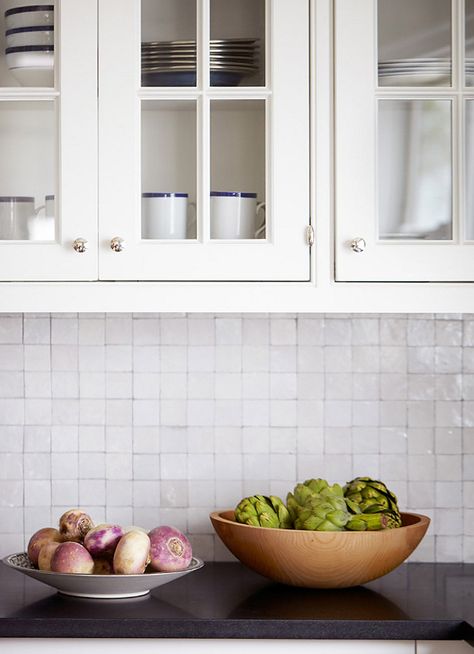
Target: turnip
{"type": "Point", "coordinates": [72, 558]}
{"type": "Point", "coordinates": [132, 553]}
{"type": "Point", "coordinates": [40, 538]}
{"type": "Point", "coordinates": [46, 555]}
{"type": "Point", "coordinates": [170, 549]}
{"type": "Point", "coordinates": [74, 525]}
{"type": "Point", "coordinates": [103, 567]}
{"type": "Point", "coordinates": [102, 540]}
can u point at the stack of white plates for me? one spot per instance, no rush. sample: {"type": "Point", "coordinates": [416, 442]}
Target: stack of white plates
{"type": "Point", "coordinates": [29, 36]}
{"type": "Point", "coordinates": [415, 72]}
{"type": "Point", "coordinates": [173, 63]}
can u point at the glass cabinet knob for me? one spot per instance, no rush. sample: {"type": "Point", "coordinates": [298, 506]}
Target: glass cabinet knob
{"type": "Point", "coordinates": [117, 244]}
{"type": "Point", "coordinates": [358, 244]}
{"type": "Point", "coordinates": [80, 245]}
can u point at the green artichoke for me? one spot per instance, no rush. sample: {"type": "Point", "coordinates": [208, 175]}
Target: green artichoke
{"type": "Point", "coordinates": [263, 511]}
{"type": "Point", "coordinates": [316, 506]}
{"type": "Point", "coordinates": [372, 504]}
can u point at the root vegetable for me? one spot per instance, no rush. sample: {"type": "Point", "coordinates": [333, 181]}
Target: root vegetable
{"type": "Point", "coordinates": [46, 554]}
{"type": "Point", "coordinates": [72, 558]}
{"type": "Point", "coordinates": [170, 549]}
{"type": "Point", "coordinates": [132, 553]}
{"type": "Point", "coordinates": [102, 540]}
{"type": "Point", "coordinates": [103, 567]}
{"type": "Point", "coordinates": [74, 525]}
{"type": "Point", "coordinates": [40, 538]}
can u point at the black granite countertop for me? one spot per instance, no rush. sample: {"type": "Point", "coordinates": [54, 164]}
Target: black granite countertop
{"type": "Point", "coordinates": [421, 601]}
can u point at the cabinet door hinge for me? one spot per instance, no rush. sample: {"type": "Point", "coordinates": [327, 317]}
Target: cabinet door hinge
{"type": "Point", "coordinates": [310, 235]}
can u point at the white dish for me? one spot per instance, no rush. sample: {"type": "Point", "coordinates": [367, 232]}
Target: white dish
{"type": "Point", "coordinates": [98, 586]}
{"type": "Point", "coordinates": [28, 16]}
{"type": "Point", "coordinates": [41, 35]}
{"type": "Point", "coordinates": [34, 76]}
{"type": "Point", "coordinates": [415, 80]}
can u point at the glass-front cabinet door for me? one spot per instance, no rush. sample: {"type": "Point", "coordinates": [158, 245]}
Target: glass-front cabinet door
{"type": "Point", "coordinates": [404, 140]}
{"type": "Point", "coordinates": [204, 139]}
{"type": "Point", "coordinates": [48, 179]}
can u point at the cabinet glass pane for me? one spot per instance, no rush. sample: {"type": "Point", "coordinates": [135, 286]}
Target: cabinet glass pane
{"type": "Point", "coordinates": [27, 44]}
{"type": "Point", "coordinates": [168, 35]}
{"type": "Point", "coordinates": [27, 170]}
{"type": "Point", "coordinates": [414, 42]}
{"type": "Point", "coordinates": [469, 171]}
{"type": "Point", "coordinates": [237, 169]}
{"type": "Point", "coordinates": [469, 21]}
{"type": "Point", "coordinates": [237, 48]}
{"type": "Point", "coordinates": [168, 169]}
{"type": "Point", "coordinates": [414, 169]}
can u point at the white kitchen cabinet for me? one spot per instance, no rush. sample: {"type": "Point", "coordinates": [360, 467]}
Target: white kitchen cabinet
{"type": "Point", "coordinates": [195, 137]}
{"type": "Point", "coordinates": [240, 128]}
{"type": "Point", "coordinates": [99, 138]}
{"type": "Point", "coordinates": [404, 133]}
{"type": "Point", "coordinates": [207, 646]}
{"type": "Point", "coordinates": [48, 145]}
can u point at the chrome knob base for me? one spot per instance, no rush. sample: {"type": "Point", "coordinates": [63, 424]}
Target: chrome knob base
{"type": "Point", "coordinates": [117, 244]}
{"type": "Point", "coordinates": [358, 244]}
{"type": "Point", "coordinates": [79, 245]}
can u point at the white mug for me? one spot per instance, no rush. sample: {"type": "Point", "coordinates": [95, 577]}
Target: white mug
{"type": "Point", "coordinates": [165, 215]}
{"type": "Point", "coordinates": [15, 214]}
{"type": "Point", "coordinates": [43, 227]}
{"type": "Point", "coordinates": [234, 215]}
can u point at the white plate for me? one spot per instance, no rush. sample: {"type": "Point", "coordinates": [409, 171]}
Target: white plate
{"type": "Point", "coordinates": [414, 80]}
{"type": "Point", "coordinates": [98, 586]}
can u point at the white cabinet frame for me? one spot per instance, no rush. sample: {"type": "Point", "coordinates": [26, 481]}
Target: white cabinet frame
{"type": "Point", "coordinates": [285, 255]}
{"type": "Point", "coordinates": [76, 183]}
{"type": "Point", "coordinates": [356, 98]}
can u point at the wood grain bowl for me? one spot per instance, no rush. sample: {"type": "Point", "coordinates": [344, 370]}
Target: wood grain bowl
{"type": "Point", "coordinates": [317, 559]}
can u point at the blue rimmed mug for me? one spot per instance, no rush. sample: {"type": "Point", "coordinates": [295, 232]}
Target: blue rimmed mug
{"type": "Point", "coordinates": [165, 215]}
{"type": "Point", "coordinates": [16, 212]}
{"type": "Point", "coordinates": [234, 215]}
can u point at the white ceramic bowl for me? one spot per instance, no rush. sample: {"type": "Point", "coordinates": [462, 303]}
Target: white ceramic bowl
{"type": "Point", "coordinates": [31, 66]}
{"type": "Point", "coordinates": [36, 76]}
{"type": "Point", "coordinates": [14, 4]}
{"type": "Point", "coordinates": [26, 36]}
{"type": "Point", "coordinates": [98, 586]}
{"type": "Point", "coordinates": [29, 16]}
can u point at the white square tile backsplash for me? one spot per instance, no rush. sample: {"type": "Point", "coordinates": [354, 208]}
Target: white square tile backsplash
{"type": "Point", "coordinates": [148, 419]}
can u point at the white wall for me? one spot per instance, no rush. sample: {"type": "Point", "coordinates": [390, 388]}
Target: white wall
{"type": "Point", "coordinates": [150, 419]}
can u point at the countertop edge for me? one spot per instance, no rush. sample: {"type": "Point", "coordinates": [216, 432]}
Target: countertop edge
{"type": "Point", "coordinates": [234, 629]}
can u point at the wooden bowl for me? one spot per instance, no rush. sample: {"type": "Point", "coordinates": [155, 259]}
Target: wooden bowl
{"type": "Point", "coordinates": [320, 559]}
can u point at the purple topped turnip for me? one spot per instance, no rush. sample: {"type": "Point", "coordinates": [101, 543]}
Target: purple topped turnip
{"type": "Point", "coordinates": [103, 567]}
{"type": "Point", "coordinates": [72, 558]}
{"type": "Point", "coordinates": [74, 525]}
{"type": "Point", "coordinates": [170, 549]}
{"type": "Point", "coordinates": [40, 538]}
{"type": "Point", "coordinates": [132, 553]}
{"type": "Point", "coordinates": [46, 555]}
{"type": "Point", "coordinates": [102, 540]}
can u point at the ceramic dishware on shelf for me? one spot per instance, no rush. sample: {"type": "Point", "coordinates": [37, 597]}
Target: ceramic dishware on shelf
{"type": "Point", "coordinates": [420, 71]}
{"type": "Point", "coordinates": [234, 215]}
{"type": "Point", "coordinates": [173, 63]}
{"type": "Point", "coordinates": [27, 36]}
{"type": "Point", "coordinates": [41, 225]}
{"type": "Point", "coordinates": [15, 215]}
{"type": "Point", "coordinates": [32, 65]}
{"type": "Point", "coordinates": [29, 16]}
{"type": "Point", "coordinates": [165, 215]}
